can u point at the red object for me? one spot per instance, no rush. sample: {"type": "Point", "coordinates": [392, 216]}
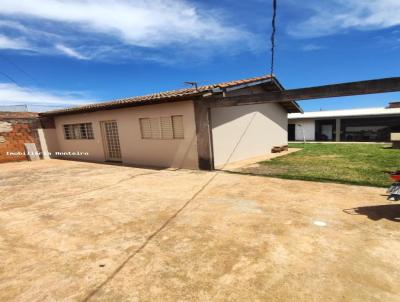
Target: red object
{"type": "Point", "coordinates": [395, 176]}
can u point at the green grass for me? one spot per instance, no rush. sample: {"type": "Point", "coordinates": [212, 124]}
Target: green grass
{"type": "Point", "coordinates": [358, 164]}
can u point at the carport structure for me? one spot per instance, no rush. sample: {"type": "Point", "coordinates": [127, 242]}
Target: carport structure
{"type": "Point", "coordinates": [281, 96]}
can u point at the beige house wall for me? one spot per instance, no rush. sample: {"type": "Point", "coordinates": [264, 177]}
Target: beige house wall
{"type": "Point", "coordinates": [50, 136]}
{"type": "Point", "coordinates": [177, 153]}
{"type": "Point", "coordinates": [242, 132]}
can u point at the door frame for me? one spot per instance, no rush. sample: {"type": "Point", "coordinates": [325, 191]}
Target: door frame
{"type": "Point", "coordinates": [291, 132]}
{"type": "Point", "coordinates": [105, 141]}
{"type": "Point", "coordinates": [318, 128]}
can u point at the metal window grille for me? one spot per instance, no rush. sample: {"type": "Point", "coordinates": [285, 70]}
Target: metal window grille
{"type": "Point", "coordinates": [78, 131]}
{"type": "Point", "coordinates": [89, 131]}
{"type": "Point", "coordinates": [67, 132]}
{"type": "Point", "coordinates": [112, 140]}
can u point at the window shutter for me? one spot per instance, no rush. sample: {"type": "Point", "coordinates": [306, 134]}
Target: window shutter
{"type": "Point", "coordinates": [177, 125]}
{"type": "Point", "coordinates": [145, 127]}
{"type": "Point", "coordinates": [166, 128]}
{"type": "Point", "coordinates": [155, 128]}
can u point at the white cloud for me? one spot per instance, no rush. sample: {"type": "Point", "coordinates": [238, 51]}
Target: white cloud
{"type": "Point", "coordinates": [11, 94]}
{"type": "Point", "coordinates": [312, 47]}
{"type": "Point", "coordinates": [9, 43]}
{"type": "Point", "coordinates": [330, 17]}
{"type": "Point", "coordinates": [70, 52]}
{"type": "Point", "coordinates": [136, 23]}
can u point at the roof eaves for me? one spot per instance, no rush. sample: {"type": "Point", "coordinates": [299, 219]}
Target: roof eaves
{"type": "Point", "coordinates": [117, 105]}
{"type": "Point", "coordinates": [163, 97]}
{"type": "Point", "coordinates": [241, 86]}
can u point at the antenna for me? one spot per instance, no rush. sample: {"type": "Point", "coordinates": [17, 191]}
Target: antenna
{"type": "Point", "coordinates": [193, 84]}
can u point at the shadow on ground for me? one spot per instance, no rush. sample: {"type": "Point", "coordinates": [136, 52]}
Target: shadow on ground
{"type": "Point", "coordinates": [389, 212]}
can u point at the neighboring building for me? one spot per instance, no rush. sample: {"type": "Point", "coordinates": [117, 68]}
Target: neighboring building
{"type": "Point", "coordinates": [355, 125]}
{"type": "Point", "coordinates": [17, 129]}
{"type": "Point", "coordinates": [187, 128]}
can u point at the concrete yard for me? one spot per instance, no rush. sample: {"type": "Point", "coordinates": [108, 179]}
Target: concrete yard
{"type": "Point", "coordinates": [72, 231]}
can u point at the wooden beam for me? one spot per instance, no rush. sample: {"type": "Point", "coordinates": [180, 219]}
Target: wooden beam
{"type": "Point", "coordinates": [203, 132]}
{"type": "Point", "coordinates": [318, 92]}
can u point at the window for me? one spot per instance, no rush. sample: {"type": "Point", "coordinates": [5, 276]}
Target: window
{"type": "Point", "coordinates": [150, 128]}
{"type": "Point", "coordinates": [78, 131]}
{"type": "Point", "coordinates": [166, 127]}
{"type": "Point", "coordinates": [177, 125]}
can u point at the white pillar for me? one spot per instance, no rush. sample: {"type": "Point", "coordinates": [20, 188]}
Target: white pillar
{"type": "Point", "coordinates": [43, 144]}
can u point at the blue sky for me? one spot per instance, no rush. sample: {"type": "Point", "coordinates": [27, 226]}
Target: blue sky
{"type": "Point", "coordinates": [57, 53]}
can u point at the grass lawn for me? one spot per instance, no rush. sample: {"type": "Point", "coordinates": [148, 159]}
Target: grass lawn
{"type": "Point", "coordinates": [359, 164]}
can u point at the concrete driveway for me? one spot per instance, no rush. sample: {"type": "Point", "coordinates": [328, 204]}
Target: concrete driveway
{"type": "Point", "coordinates": [76, 231]}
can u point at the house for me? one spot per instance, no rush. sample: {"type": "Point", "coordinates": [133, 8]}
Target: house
{"type": "Point", "coordinates": [361, 125]}
{"type": "Point", "coordinates": [187, 128]}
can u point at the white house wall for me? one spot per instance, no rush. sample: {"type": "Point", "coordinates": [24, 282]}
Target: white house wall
{"type": "Point", "coordinates": [308, 126]}
{"type": "Point", "coordinates": [242, 132]}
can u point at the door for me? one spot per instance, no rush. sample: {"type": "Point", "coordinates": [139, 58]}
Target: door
{"type": "Point", "coordinates": [110, 136]}
{"type": "Point", "coordinates": [292, 132]}
{"type": "Point", "coordinates": [326, 132]}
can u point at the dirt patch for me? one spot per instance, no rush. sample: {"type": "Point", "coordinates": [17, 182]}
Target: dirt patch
{"type": "Point", "coordinates": [76, 231]}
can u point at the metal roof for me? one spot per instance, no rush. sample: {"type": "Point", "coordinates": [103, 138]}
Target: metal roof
{"type": "Point", "coordinates": [345, 113]}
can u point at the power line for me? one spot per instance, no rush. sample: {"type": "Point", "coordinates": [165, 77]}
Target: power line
{"type": "Point", "coordinates": [274, 9]}
{"type": "Point", "coordinates": [10, 78]}
{"type": "Point", "coordinates": [19, 68]}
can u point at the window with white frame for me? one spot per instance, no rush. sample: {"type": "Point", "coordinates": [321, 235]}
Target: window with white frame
{"type": "Point", "coordinates": [78, 131]}
{"type": "Point", "coordinates": [165, 127]}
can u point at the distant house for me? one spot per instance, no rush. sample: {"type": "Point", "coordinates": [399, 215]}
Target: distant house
{"type": "Point", "coordinates": [358, 125]}
{"type": "Point", "coordinates": [187, 128]}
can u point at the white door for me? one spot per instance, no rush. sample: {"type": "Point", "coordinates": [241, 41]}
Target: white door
{"type": "Point", "coordinates": [112, 147]}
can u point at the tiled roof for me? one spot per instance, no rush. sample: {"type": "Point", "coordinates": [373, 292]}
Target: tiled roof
{"type": "Point", "coordinates": [166, 96]}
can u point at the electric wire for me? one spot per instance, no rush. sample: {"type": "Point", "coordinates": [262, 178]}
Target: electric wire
{"type": "Point", "coordinates": [10, 78]}
{"type": "Point", "coordinates": [20, 69]}
{"type": "Point", "coordinates": [274, 9]}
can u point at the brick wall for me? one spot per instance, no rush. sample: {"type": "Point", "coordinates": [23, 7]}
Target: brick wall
{"type": "Point", "coordinates": [16, 129]}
